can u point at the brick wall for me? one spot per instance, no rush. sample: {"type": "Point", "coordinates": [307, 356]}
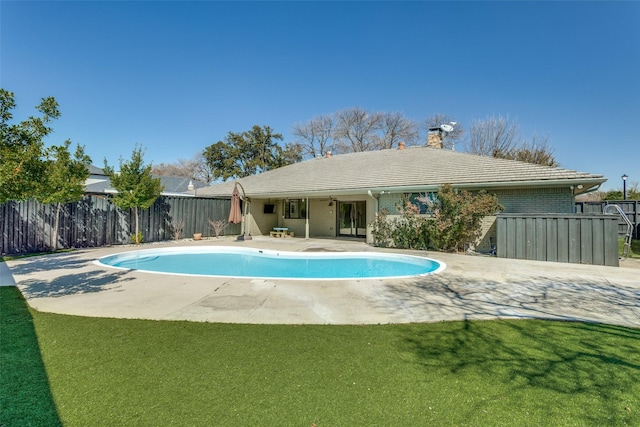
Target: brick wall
{"type": "Point", "coordinates": [389, 201]}
{"type": "Point", "coordinates": [540, 200]}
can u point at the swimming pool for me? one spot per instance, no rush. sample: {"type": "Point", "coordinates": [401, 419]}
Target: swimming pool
{"type": "Point", "coordinates": [226, 261]}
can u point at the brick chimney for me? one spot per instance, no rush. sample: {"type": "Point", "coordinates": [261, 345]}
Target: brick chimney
{"type": "Point", "coordinates": [400, 145]}
{"type": "Point", "coordinates": [434, 140]}
{"type": "Point", "coordinates": [328, 154]}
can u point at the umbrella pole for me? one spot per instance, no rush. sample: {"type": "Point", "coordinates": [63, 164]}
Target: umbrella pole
{"type": "Point", "coordinates": [244, 227]}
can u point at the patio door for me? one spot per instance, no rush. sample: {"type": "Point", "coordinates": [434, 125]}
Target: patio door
{"type": "Point", "coordinates": [352, 219]}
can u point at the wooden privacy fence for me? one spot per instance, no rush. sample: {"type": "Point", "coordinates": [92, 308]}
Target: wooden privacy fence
{"type": "Point", "coordinates": [582, 239]}
{"type": "Point", "coordinates": [631, 208]}
{"type": "Point", "coordinates": [94, 221]}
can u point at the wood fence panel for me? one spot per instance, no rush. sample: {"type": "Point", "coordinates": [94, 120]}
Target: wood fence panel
{"type": "Point", "coordinates": [574, 241]}
{"type": "Point", "coordinates": [631, 208]}
{"type": "Point", "coordinates": [551, 233]}
{"type": "Point", "coordinates": [562, 240]}
{"type": "Point", "coordinates": [95, 221]}
{"type": "Point", "coordinates": [581, 239]}
{"type": "Point", "coordinates": [586, 242]}
{"type": "Point", "coordinates": [610, 245]}
{"type": "Point", "coordinates": [597, 242]}
{"type": "Point", "coordinates": [540, 250]}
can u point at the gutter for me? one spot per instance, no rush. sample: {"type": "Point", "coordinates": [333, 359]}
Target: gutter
{"type": "Point", "coordinates": [590, 184]}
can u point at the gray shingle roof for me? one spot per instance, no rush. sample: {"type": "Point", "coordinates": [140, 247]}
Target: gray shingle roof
{"type": "Point", "coordinates": [94, 170]}
{"type": "Point", "coordinates": [401, 170]}
{"type": "Point", "coordinates": [178, 184]}
{"type": "Point", "coordinates": [99, 183]}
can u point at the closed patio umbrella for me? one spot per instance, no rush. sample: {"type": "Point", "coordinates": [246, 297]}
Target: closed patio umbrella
{"type": "Point", "coordinates": [235, 215]}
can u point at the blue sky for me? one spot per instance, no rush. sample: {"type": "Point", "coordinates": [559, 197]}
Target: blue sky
{"type": "Point", "coordinates": [176, 77]}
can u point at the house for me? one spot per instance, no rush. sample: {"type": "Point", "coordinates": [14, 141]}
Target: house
{"type": "Point", "coordinates": [339, 195]}
{"type": "Point", "coordinates": [99, 183]}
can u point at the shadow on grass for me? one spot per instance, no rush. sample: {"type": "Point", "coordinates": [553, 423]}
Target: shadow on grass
{"type": "Point", "coordinates": [578, 362]}
{"type": "Point", "coordinates": [25, 397]}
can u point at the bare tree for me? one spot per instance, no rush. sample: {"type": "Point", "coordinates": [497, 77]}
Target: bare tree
{"type": "Point", "coordinates": [218, 226]}
{"type": "Point", "coordinates": [314, 136]}
{"type": "Point", "coordinates": [395, 127]}
{"type": "Point", "coordinates": [177, 226]}
{"type": "Point", "coordinates": [536, 151]}
{"type": "Point", "coordinates": [179, 168]}
{"type": "Point", "coordinates": [500, 137]}
{"type": "Point", "coordinates": [452, 139]}
{"type": "Point", "coordinates": [194, 168]}
{"type": "Point", "coordinates": [494, 136]}
{"type": "Point", "coordinates": [356, 129]}
{"type": "Point", "coordinates": [202, 170]}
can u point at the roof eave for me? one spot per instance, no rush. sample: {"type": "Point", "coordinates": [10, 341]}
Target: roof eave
{"type": "Point", "coordinates": [588, 184]}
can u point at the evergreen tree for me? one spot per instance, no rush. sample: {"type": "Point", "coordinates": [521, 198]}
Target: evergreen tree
{"type": "Point", "coordinates": [64, 180]}
{"type": "Point", "coordinates": [136, 188]}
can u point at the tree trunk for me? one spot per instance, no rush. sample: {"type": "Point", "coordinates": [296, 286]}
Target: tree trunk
{"type": "Point", "coordinates": [56, 225]}
{"type": "Point", "coordinates": [137, 238]}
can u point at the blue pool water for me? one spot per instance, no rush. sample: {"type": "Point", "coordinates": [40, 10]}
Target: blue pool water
{"type": "Point", "coordinates": [261, 263]}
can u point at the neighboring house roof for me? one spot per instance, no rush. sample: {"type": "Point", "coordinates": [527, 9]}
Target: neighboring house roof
{"type": "Point", "coordinates": [179, 185]}
{"type": "Point", "coordinates": [99, 183]}
{"type": "Point", "coordinates": [409, 169]}
{"type": "Point", "coordinates": [94, 170]}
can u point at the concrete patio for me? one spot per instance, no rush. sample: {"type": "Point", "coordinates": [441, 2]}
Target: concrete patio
{"type": "Point", "coordinates": [471, 287]}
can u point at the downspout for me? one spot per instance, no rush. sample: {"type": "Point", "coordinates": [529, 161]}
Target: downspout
{"type": "Point", "coordinates": [306, 225]}
{"type": "Point", "coordinates": [377, 199]}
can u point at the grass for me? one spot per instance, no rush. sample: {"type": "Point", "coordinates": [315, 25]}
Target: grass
{"type": "Point", "coordinates": [105, 372]}
{"type": "Point", "coordinates": [25, 397]}
{"type": "Point", "coordinates": [634, 251]}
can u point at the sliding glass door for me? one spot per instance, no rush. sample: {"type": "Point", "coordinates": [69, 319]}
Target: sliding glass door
{"type": "Point", "coordinates": [352, 219]}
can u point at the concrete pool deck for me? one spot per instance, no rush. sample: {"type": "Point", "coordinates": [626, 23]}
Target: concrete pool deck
{"type": "Point", "coordinates": [471, 287]}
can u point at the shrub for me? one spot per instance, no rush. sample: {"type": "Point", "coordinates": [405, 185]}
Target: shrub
{"type": "Point", "coordinates": [406, 232]}
{"type": "Point", "coordinates": [218, 226]}
{"type": "Point", "coordinates": [136, 238]}
{"type": "Point", "coordinates": [410, 230]}
{"type": "Point", "coordinates": [381, 229]}
{"type": "Point", "coordinates": [455, 220]}
{"type": "Point", "coordinates": [177, 225]}
{"type": "Point", "coordinates": [457, 217]}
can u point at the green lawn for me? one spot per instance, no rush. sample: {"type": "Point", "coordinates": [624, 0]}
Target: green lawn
{"type": "Point", "coordinates": [109, 372]}
{"type": "Point", "coordinates": [634, 251]}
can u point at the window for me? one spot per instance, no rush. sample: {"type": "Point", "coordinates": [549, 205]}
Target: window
{"type": "Point", "coordinates": [423, 200]}
{"type": "Point", "coordinates": [295, 209]}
